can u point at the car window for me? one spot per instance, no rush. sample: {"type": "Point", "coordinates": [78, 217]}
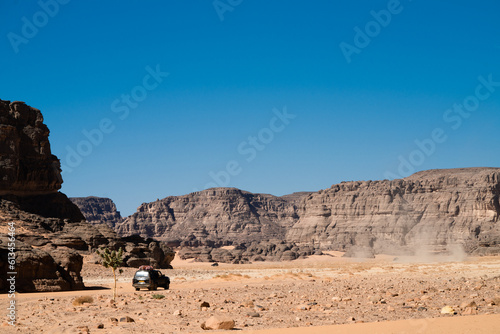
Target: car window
{"type": "Point", "coordinates": [142, 274]}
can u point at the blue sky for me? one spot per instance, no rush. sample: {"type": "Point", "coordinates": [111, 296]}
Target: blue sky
{"type": "Point", "coordinates": [385, 110]}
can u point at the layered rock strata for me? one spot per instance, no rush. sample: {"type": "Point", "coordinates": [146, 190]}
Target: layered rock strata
{"type": "Point", "coordinates": [98, 210]}
{"type": "Point", "coordinates": [27, 166]}
{"type": "Point", "coordinates": [436, 210]}
{"type": "Point", "coordinates": [433, 209]}
{"type": "Point", "coordinates": [214, 217]}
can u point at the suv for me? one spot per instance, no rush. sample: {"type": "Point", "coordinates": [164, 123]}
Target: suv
{"type": "Point", "coordinates": [150, 278]}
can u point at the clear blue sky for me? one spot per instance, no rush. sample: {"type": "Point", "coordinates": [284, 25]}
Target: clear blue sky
{"type": "Point", "coordinates": [355, 120]}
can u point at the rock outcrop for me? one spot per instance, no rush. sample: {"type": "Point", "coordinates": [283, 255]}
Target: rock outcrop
{"type": "Point", "coordinates": [98, 210]}
{"type": "Point", "coordinates": [51, 232]}
{"type": "Point", "coordinates": [432, 209]}
{"type": "Point", "coordinates": [213, 217]}
{"type": "Point", "coordinates": [27, 166]}
{"type": "Point", "coordinates": [273, 250]}
{"type": "Point", "coordinates": [436, 210]}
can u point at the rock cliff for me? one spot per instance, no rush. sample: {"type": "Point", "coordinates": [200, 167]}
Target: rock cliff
{"type": "Point", "coordinates": [98, 210]}
{"type": "Point", "coordinates": [27, 166]}
{"type": "Point", "coordinates": [51, 232]}
{"type": "Point", "coordinates": [214, 217]}
{"type": "Point", "coordinates": [431, 209]}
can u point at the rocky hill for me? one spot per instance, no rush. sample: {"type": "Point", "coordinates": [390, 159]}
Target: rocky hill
{"type": "Point", "coordinates": [214, 217]}
{"type": "Point", "coordinates": [434, 210]}
{"type": "Point", "coordinates": [98, 210]}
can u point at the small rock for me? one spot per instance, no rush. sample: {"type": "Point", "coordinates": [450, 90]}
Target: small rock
{"type": "Point", "coordinates": [470, 311]}
{"type": "Point", "coordinates": [249, 304]}
{"type": "Point", "coordinates": [468, 304]}
{"type": "Point", "coordinates": [127, 319]}
{"type": "Point", "coordinates": [100, 326]}
{"type": "Point", "coordinates": [83, 329]}
{"type": "Point", "coordinates": [303, 307]}
{"type": "Point", "coordinates": [254, 314]}
{"type": "Point", "coordinates": [217, 322]}
{"type": "Point", "coordinates": [448, 310]}
{"type": "Point", "coordinates": [178, 313]}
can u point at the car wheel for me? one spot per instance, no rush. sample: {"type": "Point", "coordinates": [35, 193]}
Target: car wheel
{"type": "Point", "coordinates": [137, 289]}
{"type": "Point", "coordinates": [167, 286]}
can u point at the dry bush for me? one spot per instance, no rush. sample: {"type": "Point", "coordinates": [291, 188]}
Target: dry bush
{"type": "Point", "coordinates": [80, 301]}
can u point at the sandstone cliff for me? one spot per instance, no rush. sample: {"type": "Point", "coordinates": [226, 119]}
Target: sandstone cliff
{"type": "Point", "coordinates": [214, 217]}
{"type": "Point", "coordinates": [27, 165]}
{"type": "Point", "coordinates": [98, 210]}
{"type": "Point", "coordinates": [435, 208]}
{"type": "Point", "coordinates": [51, 232]}
{"type": "Point", "coordinates": [432, 210]}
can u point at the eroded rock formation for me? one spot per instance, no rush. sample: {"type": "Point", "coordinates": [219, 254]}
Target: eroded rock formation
{"type": "Point", "coordinates": [98, 210]}
{"type": "Point", "coordinates": [27, 166]}
{"type": "Point", "coordinates": [432, 210]}
{"type": "Point", "coordinates": [51, 232]}
{"type": "Point", "coordinates": [214, 217]}
{"type": "Point", "coordinates": [435, 208]}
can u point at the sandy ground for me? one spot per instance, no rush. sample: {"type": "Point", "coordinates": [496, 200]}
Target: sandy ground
{"type": "Point", "coordinates": [321, 294]}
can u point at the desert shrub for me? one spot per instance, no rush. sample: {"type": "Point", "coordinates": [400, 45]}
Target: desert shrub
{"type": "Point", "coordinates": [158, 296]}
{"type": "Point", "coordinates": [83, 300]}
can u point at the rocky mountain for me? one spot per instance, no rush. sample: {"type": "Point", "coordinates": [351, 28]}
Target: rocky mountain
{"type": "Point", "coordinates": [98, 210]}
{"type": "Point", "coordinates": [214, 217]}
{"type": "Point", "coordinates": [434, 210]}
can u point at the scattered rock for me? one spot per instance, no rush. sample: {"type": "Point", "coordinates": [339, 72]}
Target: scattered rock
{"type": "Point", "coordinates": [448, 310]}
{"type": "Point", "coordinates": [218, 323]}
{"type": "Point", "coordinates": [253, 314]}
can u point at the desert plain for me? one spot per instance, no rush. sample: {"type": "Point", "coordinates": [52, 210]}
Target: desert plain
{"type": "Point", "coordinates": [320, 294]}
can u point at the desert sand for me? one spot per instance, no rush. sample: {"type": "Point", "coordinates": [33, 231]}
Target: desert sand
{"type": "Point", "coordinates": [321, 294]}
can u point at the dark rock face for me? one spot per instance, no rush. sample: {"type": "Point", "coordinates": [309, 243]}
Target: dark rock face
{"type": "Point", "coordinates": [98, 210]}
{"type": "Point", "coordinates": [214, 217]}
{"type": "Point", "coordinates": [27, 166]}
{"type": "Point", "coordinates": [37, 270]}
